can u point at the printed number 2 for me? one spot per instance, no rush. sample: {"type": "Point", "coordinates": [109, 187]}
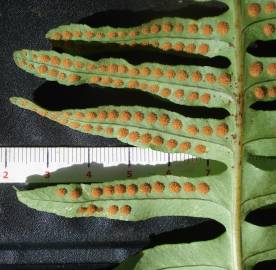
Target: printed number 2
{"type": "Point", "coordinates": [5, 175]}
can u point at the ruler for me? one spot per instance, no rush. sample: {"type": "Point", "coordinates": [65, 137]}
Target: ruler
{"type": "Point", "coordinates": [82, 164]}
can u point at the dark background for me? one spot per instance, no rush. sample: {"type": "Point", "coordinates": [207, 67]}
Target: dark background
{"type": "Point", "coordinates": [28, 237]}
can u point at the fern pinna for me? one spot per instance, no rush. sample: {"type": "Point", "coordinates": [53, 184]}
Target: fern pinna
{"type": "Point", "coordinates": [227, 197]}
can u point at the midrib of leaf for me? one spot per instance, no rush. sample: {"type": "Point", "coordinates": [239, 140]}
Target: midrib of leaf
{"type": "Point", "coordinates": [238, 153]}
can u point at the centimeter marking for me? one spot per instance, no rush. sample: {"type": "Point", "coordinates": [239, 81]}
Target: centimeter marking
{"type": "Point", "coordinates": [17, 163]}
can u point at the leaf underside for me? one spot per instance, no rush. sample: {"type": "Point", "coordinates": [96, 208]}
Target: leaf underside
{"type": "Point", "coordinates": [244, 141]}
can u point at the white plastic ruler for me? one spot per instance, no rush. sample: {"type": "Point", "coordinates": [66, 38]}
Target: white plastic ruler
{"type": "Point", "coordinates": [78, 164]}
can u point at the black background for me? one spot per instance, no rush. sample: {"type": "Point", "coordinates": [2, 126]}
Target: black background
{"type": "Point", "coordinates": [28, 237]}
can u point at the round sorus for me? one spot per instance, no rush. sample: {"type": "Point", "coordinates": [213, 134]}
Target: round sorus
{"type": "Point", "coordinates": [120, 189]}
{"type": "Point", "coordinates": [174, 187]}
{"type": "Point", "coordinates": [253, 10]}
{"type": "Point", "coordinates": [272, 92]}
{"type": "Point", "coordinates": [73, 78]}
{"type": "Point", "coordinates": [157, 72]}
{"type": "Point", "coordinates": [205, 98]}
{"type": "Point", "coordinates": [210, 78]}
{"type": "Point", "coordinates": [75, 194]}
{"type": "Point", "coordinates": [118, 83]}
{"type": "Point", "coordinates": [108, 190]}
{"type": "Point", "coordinates": [133, 84]}
{"type": "Point", "coordinates": [109, 131]}
{"type": "Point", "coordinates": [154, 88]}
{"type": "Point", "coordinates": [89, 34]}
{"type": "Point", "coordinates": [125, 210]}
{"type": "Point", "coordinates": [133, 136]}
{"type": "Point", "coordinates": [177, 124]}
{"type": "Point", "coordinates": [255, 69]}
{"type": "Point", "coordinates": [95, 79]}
{"type": "Point", "coordinates": [138, 116]}
{"type": "Point", "coordinates": [179, 46]}
{"type": "Point", "coordinates": [67, 35]}
{"type": "Point", "coordinates": [90, 115]}
{"type": "Point", "coordinates": [157, 140]}
{"type": "Point", "coordinates": [67, 63]}
{"type": "Point", "coordinates": [158, 187]}
{"type": "Point", "coordinates": [113, 210]}
{"type": "Point", "coordinates": [192, 28]}
{"type": "Point", "coordinates": [190, 48]}
{"type": "Point", "coordinates": [125, 116]}
{"type": "Point", "coordinates": [171, 144]}
{"type": "Point", "coordinates": [166, 46]}
{"type": "Point", "coordinates": [132, 189]}
{"type": "Point", "coordinates": [178, 27]}
{"type": "Point", "coordinates": [224, 79]}
{"type": "Point", "coordinates": [259, 92]}
{"type": "Point", "coordinates": [42, 69]}
{"type": "Point", "coordinates": [77, 34]}
{"type": "Point", "coordinates": [170, 73]}
{"type": "Point", "coordinates": [182, 75]}
{"type": "Point", "coordinates": [61, 192]}
{"type": "Point", "coordinates": [91, 209]}
{"type": "Point", "coordinates": [53, 73]}
{"type": "Point", "coordinates": [203, 48]}
{"type": "Point", "coordinates": [122, 69]}
{"type": "Point", "coordinates": [222, 28]}
{"type": "Point", "coordinates": [151, 117]}
{"type": "Point", "coordinates": [193, 96]}
{"type": "Point", "coordinates": [165, 92]}
{"type": "Point", "coordinates": [106, 80]}
{"type": "Point", "coordinates": [82, 210]}
{"type": "Point", "coordinates": [207, 29]}
{"type": "Point", "coordinates": [56, 36]}
{"type": "Point", "coordinates": [112, 68]}
{"type": "Point", "coordinates": [167, 27]}
{"type": "Point", "coordinates": [270, 7]}
{"type": "Point", "coordinates": [207, 131]}
{"type": "Point", "coordinates": [100, 35]}
{"type": "Point", "coordinates": [96, 192]}
{"type": "Point", "coordinates": [79, 64]}
{"type": "Point", "coordinates": [200, 149]}
{"type": "Point", "coordinates": [145, 138]}
{"type": "Point", "coordinates": [145, 188]}
{"type": "Point", "coordinates": [192, 129]}
{"type": "Point", "coordinates": [271, 69]}
{"type": "Point", "coordinates": [113, 115]}
{"type": "Point", "coordinates": [203, 188]}
{"type": "Point", "coordinates": [268, 29]}
{"type": "Point", "coordinates": [188, 187]}
{"type": "Point", "coordinates": [79, 115]}
{"type": "Point", "coordinates": [196, 76]}
{"type": "Point", "coordinates": [102, 115]}
{"type": "Point", "coordinates": [74, 124]}
{"type": "Point", "coordinates": [222, 130]}
{"type": "Point", "coordinates": [185, 146]}
{"type": "Point", "coordinates": [154, 29]}
{"type": "Point", "coordinates": [164, 119]}
{"type": "Point", "coordinates": [133, 71]}
{"type": "Point", "coordinates": [43, 58]}
{"type": "Point", "coordinates": [55, 60]}
{"type": "Point", "coordinates": [145, 71]}
{"type": "Point", "coordinates": [112, 34]}
{"type": "Point", "coordinates": [145, 30]}
{"type": "Point", "coordinates": [179, 93]}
